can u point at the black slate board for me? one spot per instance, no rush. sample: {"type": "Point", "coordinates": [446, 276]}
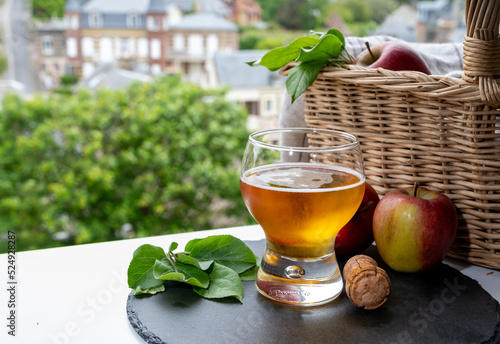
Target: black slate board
{"type": "Point", "coordinates": [439, 306]}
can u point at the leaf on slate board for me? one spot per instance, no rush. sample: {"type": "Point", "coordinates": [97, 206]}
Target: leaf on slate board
{"type": "Point", "coordinates": [250, 274]}
{"type": "Point", "coordinates": [140, 270]}
{"type": "Point", "coordinates": [151, 291]}
{"type": "Point", "coordinates": [224, 282]}
{"type": "Point", "coordinates": [226, 250]}
{"type": "Point", "coordinates": [164, 270]}
{"type": "Point", "coordinates": [185, 259]}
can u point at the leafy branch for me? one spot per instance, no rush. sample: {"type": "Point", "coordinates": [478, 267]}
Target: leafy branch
{"type": "Point", "coordinates": [215, 267]}
{"type": "Point", "coordinates": [314, 51]}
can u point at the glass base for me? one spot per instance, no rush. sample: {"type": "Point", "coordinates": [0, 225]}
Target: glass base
{"type": "Point", "coordinates": [304, 282]}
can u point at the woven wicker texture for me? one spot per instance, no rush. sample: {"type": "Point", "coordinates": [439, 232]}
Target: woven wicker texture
{"type": "Point", "coordinates": [440, 131]}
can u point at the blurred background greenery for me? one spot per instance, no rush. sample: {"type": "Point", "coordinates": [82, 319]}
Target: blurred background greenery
{"type": "Point", "coordinates": [153, 159]}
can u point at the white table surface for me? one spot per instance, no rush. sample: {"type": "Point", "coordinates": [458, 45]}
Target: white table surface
{"type": "Point", "coordinates": [78, 294]}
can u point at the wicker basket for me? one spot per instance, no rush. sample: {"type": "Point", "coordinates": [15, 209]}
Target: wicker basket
{"type": "Point", "coordinates": [440, 131]}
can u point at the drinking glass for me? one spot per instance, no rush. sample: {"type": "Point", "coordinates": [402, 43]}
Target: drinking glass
{"type": "Point", "coordinates": [302, 185]}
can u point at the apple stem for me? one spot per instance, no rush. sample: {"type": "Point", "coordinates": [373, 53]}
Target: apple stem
{"type": "Point", "coordinates": [370, 50]}
{"type": "Point", "coordinates": [417, 184]}
{"type": "Point", "coordinates": [367, 206]}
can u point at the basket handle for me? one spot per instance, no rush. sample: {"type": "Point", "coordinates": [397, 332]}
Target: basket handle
{"type": "Point", "coordinates": [482, 48]}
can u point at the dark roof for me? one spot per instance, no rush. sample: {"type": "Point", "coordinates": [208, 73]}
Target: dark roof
{"type": "Point", "coordinates": [114, 20]}
{"type": "Point", "coordinates": [143, 6]}
{"type": "Point", "coordinates": [110, 76]}
{"type": "Point", "coordinates": [116, 6]}
{"type": "Point", "coordinates": [74, 5]}
{"type": "Point", "coordinates": [204, 22]}
{"type": "Point", "coordinates": [234, 72]}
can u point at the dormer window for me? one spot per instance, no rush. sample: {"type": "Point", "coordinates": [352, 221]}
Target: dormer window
{"type": "Point", "coordinates": [152, 24]}
{"type": "Point", "coordinates": [95, 19]}
{"type": "Point", "coordinates": [134, 20]}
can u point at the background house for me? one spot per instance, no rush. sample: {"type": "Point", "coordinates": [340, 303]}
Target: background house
{"type": "Point", "coordinates": [258, 89]}
{"type": "Point", "coordinates": [50, 58]}
{"type": "Point", "coordinates": [193, 42]}
{"type": "Point", "coordinates": [441, 21]}
{"type": "Point", "coordinates": [402, 24]}
{"type": "Point", "coordinates": [151, 37]}
{"type": "Point", "coordinates": [244, 12]}
{"type": "Point", "coordinates": [129, 32]}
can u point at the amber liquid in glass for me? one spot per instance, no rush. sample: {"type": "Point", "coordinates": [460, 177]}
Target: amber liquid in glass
{"type": "Point", "coordinates": [301, 206]}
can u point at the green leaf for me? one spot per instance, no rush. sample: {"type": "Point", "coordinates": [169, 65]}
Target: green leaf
{"type": "Point", "coordinates": [226, 250]}
{"type": "Point", "coordinates": [250, 274]}
{"type": "Point", "coordinates": [162, 267]}
{"type": "Point", "coordinates": [190, 244]}
{"type": "Point", "coordinates": [338, 34]}
{"type": "Point", "coordinates": [316, 34]}
{"type": "Point", "coordinates": [173, 246]}
{"type": "Point", "coordinates": [328, 47]}
{"type": "Point", "coordinates": [304, 42]}
{"type": "Point", "coordinates": [278, 57]}
{"type": "Point", "coordinates": [184, 258]}
{"type": "Point", "coordinates": [150, 291]}
{"type": "Point", "coordinates": [164, 270]}
{"type": "Point", "coordinates": [301, 77]}
{"type": "Point", "coordinates": [140, 270]}
{"type": "Point", "coordinates": [224, 282]}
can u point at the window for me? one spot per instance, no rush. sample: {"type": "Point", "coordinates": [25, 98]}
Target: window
{"type": "Point", "coordinates": [71, 47]}
{"type": "Point", "coordinates": [212, 44]}
{"type": "Point", "coordinates": [152, 24]}
{"type": "Point", "coordinates": [155, 48]}
{"type": "Point", "coordinates": [269, 106]}
{"type": "Point", "coordinates": [87, 46]}
{"type": "Point", "coordinates": [47, 45]}
{"type": "Point", "coordinates": [95, 20]}
{"type": "Point", "coordinates": [142, 47]}
{"type": "Point", "coordinates": [155, 69]}
{"type": "Point", "coordinates": [134, 20]}
{"type": "Point", "coordinates": [118, 47]}
{"type": "Point", "coordinates": [195, 44]}
{"type": "Point", "coordinates": [71, 22]}
{"type": "Point", "coordinates": [87, 69]}
{"type": "Point", "coordinates": [75, 22]}
{"type": "Point", "coordinates": [178, 42]}
{"type": "Point", "coordinates": [127, 47]}
{"type": "Point", "coordinates": [106, 49]}
{"type": "Point", "coordinates": [252, 107]}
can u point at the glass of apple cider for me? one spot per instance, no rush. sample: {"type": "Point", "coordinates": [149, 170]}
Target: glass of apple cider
{"type": "Point", "coordinates": [302, 185]}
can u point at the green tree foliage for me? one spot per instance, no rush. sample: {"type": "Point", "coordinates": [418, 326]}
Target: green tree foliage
{"type": "Point", "coordinates": [294, 14]}
{"type": "Point", "coordinates": [248, 41]}
{"type": "Point", "coordinates": [45, 9]}
{"type": "Point", "coordinates": [268, 43]}
{"type": "Point", "coordinates": [153, 157]}
{"type": "Point", "coordinates": [3, 63]}
{"type": "Point", "coordinates": [363, 16]}
{"type": "Point", "coordinates": [267, 39]}
{"type": "Point", "coordinates": [270, 9]}
{"type": "Point", "coordinates": [380, 9]}
{"type": "Point", "coordinates": [68, 79]}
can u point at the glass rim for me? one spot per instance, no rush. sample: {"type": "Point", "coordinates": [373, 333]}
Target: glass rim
{"type": "Point", "coordinates": [327, 148]}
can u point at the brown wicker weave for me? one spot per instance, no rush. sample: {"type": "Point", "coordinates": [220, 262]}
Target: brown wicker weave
{"type": "Point", "coordinates": [440, 131]}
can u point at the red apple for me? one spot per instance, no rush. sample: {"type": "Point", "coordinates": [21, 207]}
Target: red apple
{"type": "Point", "coordinates": [414, 228]}
{"type": "Point", "coordinates": [394, 56]}
{"type": "Point", "coordinates": [357, 234]}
